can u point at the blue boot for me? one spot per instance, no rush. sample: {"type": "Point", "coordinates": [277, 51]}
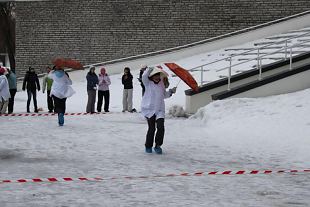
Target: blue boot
{"type": "Point", "coordinates": [61, 119]}
{"type": "Point", "coordinates": [148, 149]}
{"type": "Point", "coordinates": [158, 150]}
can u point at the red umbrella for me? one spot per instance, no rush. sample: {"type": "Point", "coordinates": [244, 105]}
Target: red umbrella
{"type": "Point", "coordinates": [67, 63]}
{"type": "Point", "coordinates": [184, 75]}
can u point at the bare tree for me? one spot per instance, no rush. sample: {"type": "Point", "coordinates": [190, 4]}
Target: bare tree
{"type": "Point", "coordinates": [7, 30]}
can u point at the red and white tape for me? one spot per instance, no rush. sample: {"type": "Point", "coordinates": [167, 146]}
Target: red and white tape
{"type": "Point", "coordinates": [184, 174]}
{"type": "Point", "coordinates": [48, 114]}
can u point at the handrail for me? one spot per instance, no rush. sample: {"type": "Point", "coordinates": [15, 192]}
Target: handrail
{"type": "Point", "coordinates": [251, 50]}
{"type": "Point", "coordinates": [261, 56]}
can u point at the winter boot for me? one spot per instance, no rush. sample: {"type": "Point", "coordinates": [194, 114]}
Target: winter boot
{"type": "Point", "coordinates": [61, 119]}
{"type": "Point", "coordinates": [158, 150]}
{"type": "Point", "coordinates": [148, 149]}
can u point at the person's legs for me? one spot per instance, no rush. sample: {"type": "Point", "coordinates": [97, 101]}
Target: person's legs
{"type": "Point", "coordinates": [50, 102]}
{"type": "Point", "coordinates": [159, 138]}
{"type": "Point", "coordinates": [92, 101]}
{"type": "Point", "coordinates": [129, 99]}
{"type": "Point", "coordinates": [34, 94]}
{"type": "Point", "coordinates": [150, 132]}
{"type": "Point", "coordinates": [106, 100]}
{"type": "Point", "coordinates": [28, 100]}
{"type": "Point", "coordinates": [100, 98]}
{"type": "Point", "coordinates": [89, 101]}
{"type": "Point", "coordinates": [11, 101]}
{"type": "Point", "coordinates": [125, 97]}
{"type": "Point", "coordinates": [3, 105]}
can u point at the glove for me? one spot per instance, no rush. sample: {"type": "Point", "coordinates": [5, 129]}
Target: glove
{"type": "Point", "coordinates": [95, 88]}
{"type": "Point", "coordinates": [173, 90]}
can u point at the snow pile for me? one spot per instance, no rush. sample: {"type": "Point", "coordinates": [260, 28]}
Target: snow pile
{"type": "Point", "coordinates": [177, 111]}
{"type": "Point", "coordinates": [275, 124]}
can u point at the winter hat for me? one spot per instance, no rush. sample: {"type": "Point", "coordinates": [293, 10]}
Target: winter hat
{"type": "Point", "coordinates": [158, 70]}
{"type": "Point", "coordinates": [2, 70]}
{"type": "Point", "coordinates": [102, 71]}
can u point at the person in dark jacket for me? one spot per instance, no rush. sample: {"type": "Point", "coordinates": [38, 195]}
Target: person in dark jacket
{"type": "Point", "coordinates": [143, 68]}
{"type": "Point", "coordinates": [13, 89]}
{"type": "Point", "coordinates": [128, 90]}
{"type": "Point", "coordinates": [92, 82]}
{"type": "Point", "coordinates": [32, 84]}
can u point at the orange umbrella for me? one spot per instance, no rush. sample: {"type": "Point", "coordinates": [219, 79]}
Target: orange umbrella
{"type": "Point", "coordinates": [184, 75]}
{"type": "Point", "coordinates": [67, 63]}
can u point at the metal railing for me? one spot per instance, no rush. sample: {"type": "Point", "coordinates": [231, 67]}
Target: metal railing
{"type": "Point", "coordinates": [288, 50]}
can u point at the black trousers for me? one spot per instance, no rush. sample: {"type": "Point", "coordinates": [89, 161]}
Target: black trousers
{"type": "Point", "coordinates": [106, 95]}
{"type": "Point", "coordinates": [34, 95]}
{"type": "Point", "coordinates": [50, 102]}
{"type": "Point", "coordinates": [159, 137]}
{"type": "Point", "coordinates": [11, 100]}
{"type": "Point", "coordinates": [60, 104]}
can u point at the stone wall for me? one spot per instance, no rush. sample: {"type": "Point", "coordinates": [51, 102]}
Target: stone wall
{"type": "Point", "coordinates": [95, 31]}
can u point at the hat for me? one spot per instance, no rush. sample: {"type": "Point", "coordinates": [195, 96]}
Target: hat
{"type": "Point", "coordinates": [102, 70]}
{"type": "Point", "coordinates": [158, 70]}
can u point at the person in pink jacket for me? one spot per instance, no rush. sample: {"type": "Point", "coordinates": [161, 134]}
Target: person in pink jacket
{"type": "Point", "coordinates": [103, 90]}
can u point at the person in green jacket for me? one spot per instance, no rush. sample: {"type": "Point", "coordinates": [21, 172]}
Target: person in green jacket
{"type": "Point", "coordinates": [13, 89]}
{"type": "Point", "coordinates": [47, 84]}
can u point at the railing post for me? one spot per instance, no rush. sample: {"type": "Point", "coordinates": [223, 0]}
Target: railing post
{"type": "Point", "coordinates": [229, 73]}
{"type": "Point", "coordinates": [291, 58]}
{"type": "Point", "coordinates": [285, 49]}
{"type": "Point", "coordinates": [260, 68]}
{"type": "Point", "coordinates": [201, 76]}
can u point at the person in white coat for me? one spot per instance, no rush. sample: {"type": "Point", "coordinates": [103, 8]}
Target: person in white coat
{"type": "Point", "coordinates": [4, 91]}
{"type": "Point", "coordinates": [153, 107]}
{"type": "Point", "coordinates": [61, 90]}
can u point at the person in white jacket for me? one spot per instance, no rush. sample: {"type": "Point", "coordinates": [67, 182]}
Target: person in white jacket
{"type": "Point", "coordinates": [153, 107]}
{"type": "Point", "coordinates": [4, 91]}
{"type": "Point", "coordinates": [61, 90]}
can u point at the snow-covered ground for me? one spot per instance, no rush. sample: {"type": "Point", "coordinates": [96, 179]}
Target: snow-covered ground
{"type": "Point", "coordinates": [238, 134]}
{"type": "Point", "coordinates": [270, 133]}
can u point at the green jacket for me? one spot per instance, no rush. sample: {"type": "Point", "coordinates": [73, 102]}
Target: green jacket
{"type": "Point", "coordinates": [47, 83]}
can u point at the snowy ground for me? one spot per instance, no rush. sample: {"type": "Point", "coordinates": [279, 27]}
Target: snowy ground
{"type": "Point", "coordinates": [239, 134]}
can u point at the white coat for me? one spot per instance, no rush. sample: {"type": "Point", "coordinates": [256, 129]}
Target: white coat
{"type": "Point", "coordinates": [61, 84]}
{"type": "Point", "coordinates": [4, 88]}
{"type": "Point", "coordinates": [153, 98]}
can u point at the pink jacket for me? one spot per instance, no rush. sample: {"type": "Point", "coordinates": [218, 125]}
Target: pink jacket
{"type": "Point", "coordinates": [104, 82]}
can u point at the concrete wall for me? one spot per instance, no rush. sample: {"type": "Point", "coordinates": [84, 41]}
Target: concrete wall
{"type": "Point", "coordinates": [101, 30]}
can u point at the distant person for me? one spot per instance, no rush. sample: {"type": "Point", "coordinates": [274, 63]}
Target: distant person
{"type": "Point", "coordinates": [13, 89]}
{"type": "Point", "coordinates": [128, 90]}
{"type": "Point", "coordinates": [92, 82]}
{"type": "Point", "coordinates": [4, 91]}
{"type": "Point", "coordinates": [47, 84]}
{"type": "Point", "coordinates": [61, 90]}
{"type": "Point", "coordinates": [103, 90]}
{"type": "Point", "coordinates": [32, 84]}
{"type": "Point", "coordinates": [153, 107]}
{"type": "Point", "coordinates": [143, 68]}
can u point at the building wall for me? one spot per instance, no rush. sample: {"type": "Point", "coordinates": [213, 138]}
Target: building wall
{"type": "Point", "coordinates": [95, 31]}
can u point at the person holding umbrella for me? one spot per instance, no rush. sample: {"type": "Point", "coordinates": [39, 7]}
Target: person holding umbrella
{"type": "Point", "coordinates": [60, 91]}
{"type": "Point", "coordinates": [153, 106]}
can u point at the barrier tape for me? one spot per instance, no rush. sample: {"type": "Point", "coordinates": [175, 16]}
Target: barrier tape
{"type": "Point", "coordinates": [49, 114]}
{"type": "Point", "coordinates": [184, 174]}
